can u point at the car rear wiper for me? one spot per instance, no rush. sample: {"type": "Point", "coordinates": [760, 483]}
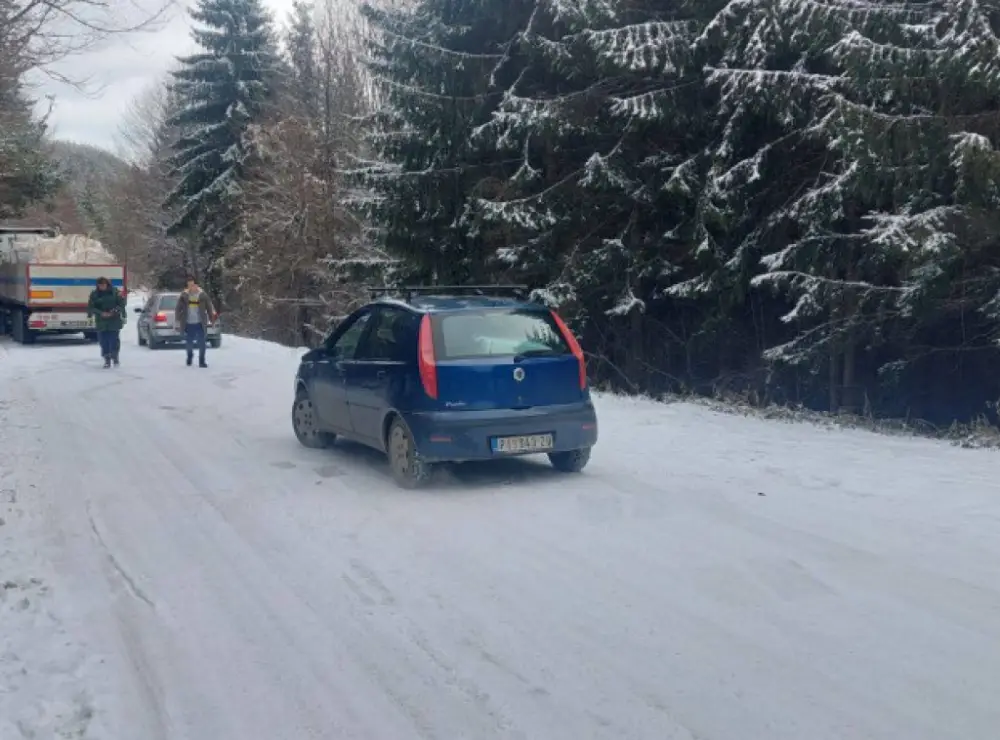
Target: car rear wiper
{"type": "Point", "coordinates": [535, 353]}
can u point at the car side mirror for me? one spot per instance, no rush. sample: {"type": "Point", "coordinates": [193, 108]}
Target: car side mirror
{"type": "Point", "coordinates": [138, 309]}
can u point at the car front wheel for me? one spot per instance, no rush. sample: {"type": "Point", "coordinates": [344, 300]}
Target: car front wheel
{"type": "Point", "coordinates": [570, 462]}
{"type": "Point", "coordinates": [306, 425]}
{"type": "Point", "coordinates": [408, 470]}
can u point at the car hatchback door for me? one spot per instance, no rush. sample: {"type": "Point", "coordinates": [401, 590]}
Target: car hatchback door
{"type": "Point", "coordinates": [505, 359]}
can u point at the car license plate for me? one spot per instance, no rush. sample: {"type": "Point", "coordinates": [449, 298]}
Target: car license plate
{"type": "Point", "coordinates": [522, 444]}
{"type": "Point", "coordinates": [57, 321]}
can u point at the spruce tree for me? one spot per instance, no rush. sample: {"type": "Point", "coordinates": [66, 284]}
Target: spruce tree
{"type": "Point", "coordinates": [301, 43]}
{"type": "Point", "coordinates": [222, 89]}
{"type": "Point", "coordinates": [440, 67]}
{"type": "Point", "coordinates": [26, 172]}
{"type": "Point", "coordinates": [609, 126]}
{"type": "Point", "coordinates": [881, 226]}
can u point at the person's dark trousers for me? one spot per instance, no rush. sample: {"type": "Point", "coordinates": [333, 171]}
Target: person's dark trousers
{"type": "Point", "coordinates": [194, 334]}
{"type": "Point", "coordinates": [111, 344]}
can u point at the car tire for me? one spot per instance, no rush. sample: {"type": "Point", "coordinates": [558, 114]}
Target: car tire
{"type": "Point", "coordinates": [570, 462]}
{"type": "Point", "coordinates": [408, 470]}
{"type": "Point", "coordinates": [142, 342]}
{"type": "Point", "coordinates": [215, 343]}
{"type": "Point", "coordinates": [306, 425]}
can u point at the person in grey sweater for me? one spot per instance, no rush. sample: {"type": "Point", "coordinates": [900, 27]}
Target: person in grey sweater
{"type": "Point", "coordinates": [194, 314]}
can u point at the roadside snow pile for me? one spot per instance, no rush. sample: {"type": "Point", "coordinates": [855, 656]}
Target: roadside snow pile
{"type": "Point", "coordinates": [42, 669]}
{"type": "Point", "coordinates": [979, 434]}
{"type": "Point", "coordinates": [71, 248]}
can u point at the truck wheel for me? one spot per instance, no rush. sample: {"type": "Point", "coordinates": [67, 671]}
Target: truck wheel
{"type": "Point", "coordinates": [22, 334]}
{"type": "Point", "coordinates": [90, 336]}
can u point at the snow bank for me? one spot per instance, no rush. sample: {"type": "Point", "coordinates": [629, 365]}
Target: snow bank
{"type": "Point", "coordinates": [71, 248]}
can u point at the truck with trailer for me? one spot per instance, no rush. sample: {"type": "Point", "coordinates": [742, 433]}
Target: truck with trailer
{"type": "Point", "coordinates": [45, 288]}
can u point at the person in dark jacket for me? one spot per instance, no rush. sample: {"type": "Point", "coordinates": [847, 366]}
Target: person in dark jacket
{"type": "Point", "coordinates": [107, 307]}
{"type": "Point", "coordinates": [193, 315]}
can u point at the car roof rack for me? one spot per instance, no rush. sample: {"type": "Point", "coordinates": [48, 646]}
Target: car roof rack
{"type": "Point", "coordinates": [451, 291]}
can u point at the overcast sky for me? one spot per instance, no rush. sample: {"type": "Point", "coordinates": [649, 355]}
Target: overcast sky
{"type": "Point", "coordinates": [117, 73]}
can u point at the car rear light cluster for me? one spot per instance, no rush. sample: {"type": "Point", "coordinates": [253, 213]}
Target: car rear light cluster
{"type": "Point", "coordinates": [161, 318]}
{"type": "Point", "coordinates": [574, 347]}
{"type": "Point", "coordinates": [426, 359]}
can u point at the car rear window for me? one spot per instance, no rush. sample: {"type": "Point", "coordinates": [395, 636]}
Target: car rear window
{"type": "Point", "coordinates": [497, 333]}
{"type": "Point", "coordinates": [168, 302]}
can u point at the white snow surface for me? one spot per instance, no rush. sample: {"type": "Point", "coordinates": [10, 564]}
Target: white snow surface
{"type": "Point", "coordinates": [175, 566]}
{"type": "Point", "coordinates": [67, 248]}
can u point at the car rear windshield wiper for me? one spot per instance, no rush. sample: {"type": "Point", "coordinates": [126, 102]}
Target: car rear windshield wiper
{"type": "Point", "coordinates": [536, 353]}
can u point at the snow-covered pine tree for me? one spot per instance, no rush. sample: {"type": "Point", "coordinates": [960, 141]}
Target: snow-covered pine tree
{"type": "Point", "coordinates": [784, 193]}
{"type": "Point", "coordinates": [26, 172]}
{"type": "Point", "coordinates": [607, 128]}
{"type": "Point", "coordinates": [920, 124]}
{"type": "Point", "coordinates": [300, 40]}
{"type": "Point", "coordinates": [224, 88]}
{"type": "Point", "coordinates": [440, 67]}
{"type": "Point", "coordinates": [884, 95]}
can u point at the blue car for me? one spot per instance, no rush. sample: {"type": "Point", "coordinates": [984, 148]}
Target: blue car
{"type": "Point", "coordinates": [449, 375]}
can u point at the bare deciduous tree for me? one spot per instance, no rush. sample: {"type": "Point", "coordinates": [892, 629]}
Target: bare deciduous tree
{"type": "Point", "coordinates": [291, 262]}
{"type": "Point", "coordinates": [39, 33]}
{"type": "Point", "coordinates": [34, 36]}
{"type": "Point", "coordinates": [139, 224]}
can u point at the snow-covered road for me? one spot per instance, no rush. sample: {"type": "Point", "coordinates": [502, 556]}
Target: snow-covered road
{"type": "Point", "coordinates": [200, 576]}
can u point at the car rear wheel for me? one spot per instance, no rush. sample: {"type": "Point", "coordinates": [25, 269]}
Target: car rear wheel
{"type": "Point", "coordinates": [408, 470]}
{"type": "Point", "coordinates": [215, 343]}
{"type": "Point", "coordinates": [142, 342]}
{"type": "Point", "coordinates": [570, 462]}
{"type": "Point", "coordinates": [306, 425]}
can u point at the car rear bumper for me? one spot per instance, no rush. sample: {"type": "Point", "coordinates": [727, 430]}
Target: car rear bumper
{"type": "Point", "coordinates": [456, 436]}
{"type": "Point", "coordinates": [173, 335]}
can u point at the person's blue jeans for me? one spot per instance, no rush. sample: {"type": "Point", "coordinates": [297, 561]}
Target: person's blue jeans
{"type": "Point", "coordinates": [111, 343]}
{"type": "Point", "coordinates": [194, 335]}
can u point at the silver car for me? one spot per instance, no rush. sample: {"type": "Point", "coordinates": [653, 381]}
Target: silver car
{"type": "Point", "coordinates": [157, 325]}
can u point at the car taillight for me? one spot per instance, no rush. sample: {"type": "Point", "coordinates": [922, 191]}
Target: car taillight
{"type": "Point", "coordinates": [160, 318]}
{"type": "Point", "coordinates": [574, 347]}
{"type": "Point", "coordinates": [426, 359]}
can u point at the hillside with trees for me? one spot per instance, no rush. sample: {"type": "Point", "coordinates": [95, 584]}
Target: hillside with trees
{"type": "Point", "coordinates": [86, 181]}
{"type": "Point", "coordinates": [793, 202]}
